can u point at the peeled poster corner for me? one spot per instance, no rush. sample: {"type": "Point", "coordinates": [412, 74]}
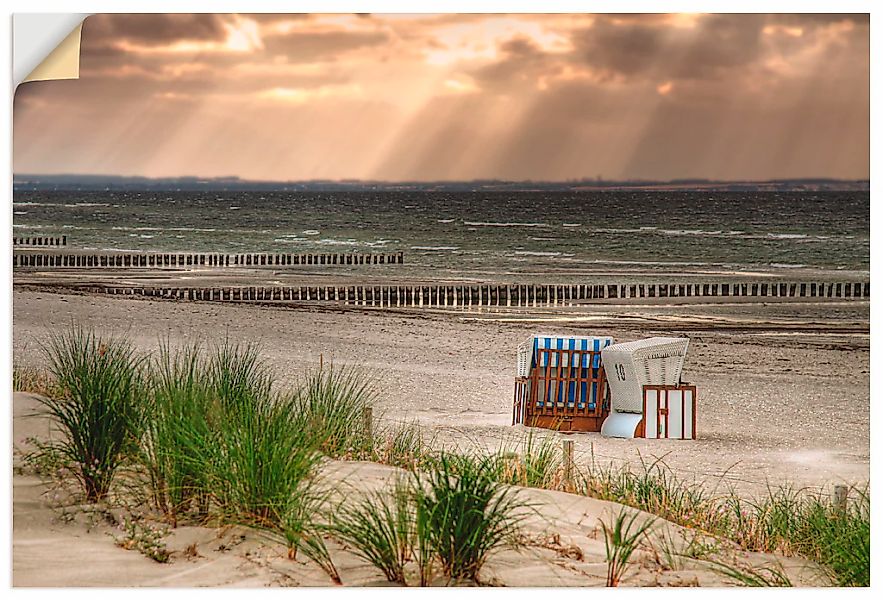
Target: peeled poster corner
{"type": "Point", "coordinates": [46, 47]}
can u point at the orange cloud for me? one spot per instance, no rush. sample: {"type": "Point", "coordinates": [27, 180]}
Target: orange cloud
{"type": "Point", "coordinates": [552, 96]}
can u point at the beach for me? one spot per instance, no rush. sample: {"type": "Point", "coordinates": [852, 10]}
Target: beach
{"type": "Point", "coordinates": [562, 537]}
{"type": "Point", "coordinates": [314, 300]}
{"type": "Point", "coordinates": [783, 387]}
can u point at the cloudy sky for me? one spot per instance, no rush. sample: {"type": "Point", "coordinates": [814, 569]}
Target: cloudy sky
{"type": "Point", "coordinates": [291, 97]}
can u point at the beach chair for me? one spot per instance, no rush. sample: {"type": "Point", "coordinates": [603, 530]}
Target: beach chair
{"type": "Point", "coordinates": [560, 383]}
{"type": "Point", "coordinates": [647, 397]}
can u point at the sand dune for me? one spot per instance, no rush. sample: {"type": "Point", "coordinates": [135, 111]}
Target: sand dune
{"type": "Point", "coordinates": [566, 547]}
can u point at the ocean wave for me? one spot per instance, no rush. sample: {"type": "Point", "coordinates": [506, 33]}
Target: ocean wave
{"type": "Point", "coordinates": [194, 229]}
{"type": "Point", "coordinates": [787, 236]}
{"type": "Point", "coordinates": [536, 253]}
{"type": "Point", "coordinates": [286, 240]}
{"type": "Point", "coordinates": [690, 232]}
{"type": "Point", "coordinates": [797, 237]}
{"type": "Point", "coordinates": [310, 232]}
{"type": "Point", "coordinates": [495, 224]}
{"type": "Point", "coordinates": [786, 266]}
{"type": "Point", "coordinates": [435, 248]}
{"type": "Point", "coordinates": [445, 220]}
{"type": "Point", "coordinates": [571, 224]}
{"type": "Point", "coordinates": [62, 205]}
{"type": "Point", "coordinates": [616, 230]}
{"type": "Point", "coordinates": [333, 242]}
{"type": "Point", "coordinates": [652, 263]}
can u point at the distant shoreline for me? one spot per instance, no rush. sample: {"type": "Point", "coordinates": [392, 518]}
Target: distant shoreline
{"type": "Point", "coordinates": [109, 183]}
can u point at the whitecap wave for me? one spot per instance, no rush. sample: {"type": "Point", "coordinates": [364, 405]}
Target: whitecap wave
{"type": "Point", "coordinates": [334, 242]}
{"type": "Point", "coordinates": [507, 224]}
{"type": "Point", "coordinates": [787, 236]}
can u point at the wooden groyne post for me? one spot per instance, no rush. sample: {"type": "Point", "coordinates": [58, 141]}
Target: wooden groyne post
{"type": "Point", "coordinates": [481, 296]}
{"type": "Point", "coordinates": [840, 497]}
{"type": "Point", "coordinates": [126, 260]}
{"type": "Point", "coordinates": [39, 241]}
{"type": "Point", "coordinates": [368, 426]}
{"type": "Point", "coordinates": [567, 458]}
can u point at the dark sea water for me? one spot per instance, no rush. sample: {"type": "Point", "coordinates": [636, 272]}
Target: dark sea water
{"type": "Point", "coordinates": [486, 232]}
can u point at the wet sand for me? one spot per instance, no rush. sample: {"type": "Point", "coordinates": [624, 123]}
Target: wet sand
{"type": "Point", "coordinates": [783, 386]}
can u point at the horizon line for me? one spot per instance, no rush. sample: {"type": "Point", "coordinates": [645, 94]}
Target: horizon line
{"type": "Point", "coordinates": [353, 180]}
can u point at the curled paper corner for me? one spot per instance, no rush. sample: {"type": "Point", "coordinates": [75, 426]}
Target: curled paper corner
{"type": "Point", "coordinates": [46, 46]}
{"type": "Point", "coordinates": [63, 62]}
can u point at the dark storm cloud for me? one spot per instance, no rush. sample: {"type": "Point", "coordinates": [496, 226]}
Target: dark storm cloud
{"type": "Point", "coordinates": [519, 58]}
{"type": "Point", "coordinates": [152, 29]}
{"type": "Point", "coordinates": [716, 43]}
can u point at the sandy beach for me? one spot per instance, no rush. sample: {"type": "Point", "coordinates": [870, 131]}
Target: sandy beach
{"type": "Point", "coordinates": [775, 405]}
{"type": "Point", "coordinates": [564, 541]}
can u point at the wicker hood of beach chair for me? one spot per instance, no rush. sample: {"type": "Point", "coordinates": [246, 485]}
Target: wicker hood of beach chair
{"type": "Point", "coordinates": [632, 365]}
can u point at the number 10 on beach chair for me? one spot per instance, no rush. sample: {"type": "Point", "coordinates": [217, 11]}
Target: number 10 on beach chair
{"type": "Point", "coordinates": [647, 397]}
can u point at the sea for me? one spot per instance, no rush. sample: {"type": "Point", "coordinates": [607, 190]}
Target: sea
{"type": "Point", "coordinates": [480, 232]}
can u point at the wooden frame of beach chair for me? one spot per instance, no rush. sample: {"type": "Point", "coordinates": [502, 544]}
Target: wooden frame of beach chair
{"type": "Point", "coordinates": [561, 392]}
{"type": "Point", "coordinates": [669, 412]}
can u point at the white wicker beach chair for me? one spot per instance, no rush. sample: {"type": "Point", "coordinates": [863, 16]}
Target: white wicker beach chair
{"type": "Point", "coordinates": [632, 365]}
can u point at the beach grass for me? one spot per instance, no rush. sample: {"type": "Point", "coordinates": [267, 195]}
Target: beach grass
{"type": "Point", "coordinates": [466, 512]}
{"type": "Point", "coordinates": [453, 513]}
{"type": "Point", "coordinates": [177, 435]}
{"type": "Point", "coordinates": [219, 435]}
{"type": "Point", "coordinates": [748, 576]}
{"type": "Point", "coordinates": [535, 461]}
{"type": "Point", "coordinates": [330, 402]}
{"type": "Point", "coordinates": [403, 445]}
{"type": "Point", "coordinates": [97, 406]}
{"type": "Point", "coordinates": [213, 432]}
{"type": "Point", "coordinates": [382, 529]}
{"type": "Point", "coordinates": [622, 537]}
{"type": "Point", "coordinates": [791, 522]}
{"type": "Point", "coordinates": [33, 381]}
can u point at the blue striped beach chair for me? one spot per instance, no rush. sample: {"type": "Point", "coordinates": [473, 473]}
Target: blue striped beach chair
{"type": "Point", "coordinates": [561, 382]}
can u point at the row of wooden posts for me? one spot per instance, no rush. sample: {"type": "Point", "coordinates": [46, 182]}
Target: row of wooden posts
{"type": "Point", "coordinates": [468, 295]}
{"type": "Point", "coordinates": [40, 241]}
{"type": "Point", "coordinates": [159, 260]}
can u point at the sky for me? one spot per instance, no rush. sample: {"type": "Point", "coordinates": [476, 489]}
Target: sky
{"type": "Point", "coordinates": [457, 97]}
